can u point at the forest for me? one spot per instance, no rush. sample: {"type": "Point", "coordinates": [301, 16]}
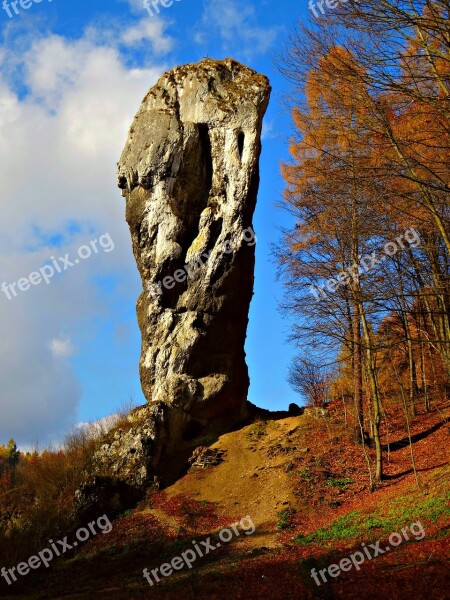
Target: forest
{"type": "Point", "coordinates": [366, 266]}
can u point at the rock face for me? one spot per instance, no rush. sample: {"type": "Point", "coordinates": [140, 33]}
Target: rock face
{"type": "Point", "coordinates": [190, 174]}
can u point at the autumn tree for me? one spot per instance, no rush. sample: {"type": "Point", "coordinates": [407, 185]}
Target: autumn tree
{"type": "Point", "coordinates": [370, 109]}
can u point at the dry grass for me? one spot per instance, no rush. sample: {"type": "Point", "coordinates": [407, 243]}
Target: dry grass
{"type": "Point", "coordinates": [37, 499]}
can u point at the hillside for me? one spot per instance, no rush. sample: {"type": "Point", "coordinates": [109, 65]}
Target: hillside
{"type": "Point", "coordinates": [304, 486]}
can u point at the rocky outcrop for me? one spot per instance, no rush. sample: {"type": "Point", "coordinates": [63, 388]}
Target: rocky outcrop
{"type": "Point", "coordinates": [189, 173]}
{"type": "Point", "coordinates": [295, 410]}
{"type": "Point", "coordinates": [127, 451]}
{"type": "Point", "coordinates": [316, 412]}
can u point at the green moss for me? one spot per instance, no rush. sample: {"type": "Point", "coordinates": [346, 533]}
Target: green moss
{"type": "Point", "coordinates": [305, 474]}
{"type": "Point", "coordinates": [402, 512]}
{"type": "Point", "coordinates": [340, 483]}
{"type": "Point", "coordinates": [284, 516]}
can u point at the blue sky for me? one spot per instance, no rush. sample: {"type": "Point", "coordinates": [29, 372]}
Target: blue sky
{"type": "Point", "coordinates": [72, 75]}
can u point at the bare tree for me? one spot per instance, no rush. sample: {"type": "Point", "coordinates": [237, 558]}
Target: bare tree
{"type": "Point", "coordinates": [311, 381]}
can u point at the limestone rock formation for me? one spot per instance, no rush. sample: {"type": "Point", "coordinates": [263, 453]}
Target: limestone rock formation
{"type": "Point", "coordinates": [190, 174]}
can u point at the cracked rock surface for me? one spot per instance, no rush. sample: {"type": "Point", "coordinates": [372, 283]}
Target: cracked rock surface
{"type": "Point", "coordinates": [190, 175]}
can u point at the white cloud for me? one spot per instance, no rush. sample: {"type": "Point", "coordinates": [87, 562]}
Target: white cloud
{"type": "Point", "coordinates": [236, 24]}
{"type": "Point", "coordinates": [268, 130]}
{"type": "Point", "coordinates": [61, 130]}
{"type": "Point", "coordinates": [137, 6]}
{"type": "Point", "coordinates": [148, 30]}
{"type": "Point", "coordinates": [62, 348]}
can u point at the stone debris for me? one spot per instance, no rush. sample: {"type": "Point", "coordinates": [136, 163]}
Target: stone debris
{"type": "Point", "coordinates": [206, 457]}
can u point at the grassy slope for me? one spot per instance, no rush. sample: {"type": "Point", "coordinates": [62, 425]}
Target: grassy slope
{"type": "Point", "coordinates": [305, 486]}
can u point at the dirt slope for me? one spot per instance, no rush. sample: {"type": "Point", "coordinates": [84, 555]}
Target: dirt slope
{"type": "Point", "coordinates": [252, 480]}
{"type": "Point", "coordinates": [297, 478]}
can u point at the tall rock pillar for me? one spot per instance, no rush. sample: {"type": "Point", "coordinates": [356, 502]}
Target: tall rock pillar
{"type": "Point", "coordinates": [190, 175]}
